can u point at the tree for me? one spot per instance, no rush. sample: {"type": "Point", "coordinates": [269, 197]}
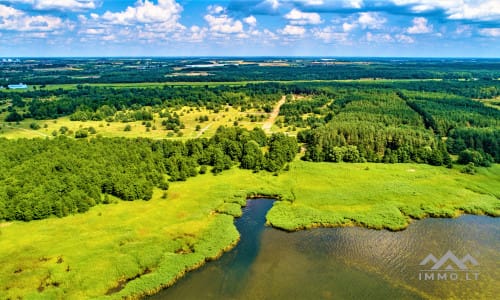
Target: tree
{"type": "Point", "coordinates": [14, 116]}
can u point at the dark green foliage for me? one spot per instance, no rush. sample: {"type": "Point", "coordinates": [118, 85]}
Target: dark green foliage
{"type": "Point", "coordinates": [42, 178]}
{"type": "Point", "coordinates": [484, 140]}
{"type": "Point", "coordinates": [470, 168]}
{"type": "Point", "coordinates": [282, 149]}
{"type": "Point", "coordinates": [14, 116]}
{"type": "Point", "coordinates": [81, 133]}
{"type": "Point", "coordinates": [34, 126]}
{"type": "Point", "coordinates": [472, 156]}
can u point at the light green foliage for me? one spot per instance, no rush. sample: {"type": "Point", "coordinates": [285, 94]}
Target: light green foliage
{"type": "Point", "coordinates": [168, 236]}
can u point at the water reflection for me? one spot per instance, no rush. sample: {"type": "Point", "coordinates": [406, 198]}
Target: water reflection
{"type": "Point", "coordinates": [345, 263]}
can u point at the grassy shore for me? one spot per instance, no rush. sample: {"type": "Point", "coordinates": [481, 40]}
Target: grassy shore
{"type": "Point", "coordinates": [135, 248]}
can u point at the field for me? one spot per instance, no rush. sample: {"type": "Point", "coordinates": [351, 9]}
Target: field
{"type": "Point", "coordinates": [136, 247]}
{"type": "Point", "coordinates": [188, 116]}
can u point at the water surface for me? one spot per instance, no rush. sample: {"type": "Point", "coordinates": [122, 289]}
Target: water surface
{"type": "Point", "coordinates": [346, 263]}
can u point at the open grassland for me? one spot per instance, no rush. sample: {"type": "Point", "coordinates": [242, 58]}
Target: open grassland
{"type": "Point", "coordinates": [188, 116]}
{"type": "Point", "coordinates": [132, 248]}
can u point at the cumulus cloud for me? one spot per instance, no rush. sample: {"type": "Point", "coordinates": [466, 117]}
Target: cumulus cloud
{"type": "Point", "coordinates": [17, 20]}
{"type": "Point", "coordinates": [311, 2]}
{"type": "Point", "coordinates": [378, 37]}
{"type": "Point", "coordinates": [349, 26]}
{"type": "Point", "coordinates": [420, 26]}
{"type": "Point", "coordinates": [215, 9]}
{"type": "Point", "coordinates": [224, 24]}
{"type": "Point", "coordinates": [297, 17]}
{"type": "Point", "coordinates": [493, 32]}
{"type": "Point", "coordinates": [293, 30]}
{"type": "Point", "coordinates": [353, 3]}
{"type": "Point", "coordinates": [63, 5]}
{"type": "Point", "coordinates": [329, 34]}
{"type": "Point", "coordinates": [371, 20]}
{"type": "Point", "coordinates": [251, 20]}
{"type": "Point", "coordinates": [486, 10]}
{"type": "Point", "coordinates": [273, 3]}
{"type": "Point", "coordinates": [166, 11]}
{"type": "Point", "coordinates": [365, 20]}
{"type": "Point", "coordinates": [405, 39]}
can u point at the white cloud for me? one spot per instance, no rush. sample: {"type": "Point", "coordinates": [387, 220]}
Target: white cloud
{"type": "Point", "coordinates": [296, 17]}
{"type": "Point", "coordinates": [328, 34]}
{"type": "Point", "coordinates": [273, 3]}
{"type": "Point", "coordinates": [493, 32]}
{"type": "Point", "coordinates": [463, 30]}
{"type": "Point", "coordinates": [293, 30]}
{"type": "Point", "coordinates": [166, 11]}
{"type": "Point", "coordinates": [353, 3]}
{"type": "Point", "coordinates": [486, 10]}
{"type": "Point", "coordinates": [349, 26]}
{"type": "Point", "coordinates": [251, 20]}
{"type": "Point", "coordinates": [312, 2]}
{"type": "Point", "coordinates": [403, 38]}
{"type": "Point", "coordinates": [378, 38]}
{"type": "Point", "coordinates": [215, 9]}
{"type": "Point", "coordinates": [63, 5]}
{"type": "Point", "coordinates": [420, 26]}
{"type": "Point", "coordinates": [17, 20]}
{"type": "Point", "coordinates": [371, 20]}
{"type": "Point", "coordinates": [197, 34]}
{"type": "Point", "coordinates": [223, 24]}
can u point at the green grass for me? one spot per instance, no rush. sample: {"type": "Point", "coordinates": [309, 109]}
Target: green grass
{"type": "Point", "coordinates": [188, 117]}
{"type": "Point", "coordinates": [109, 247]}
{"type": "Point", "coordinates": [208, 83]}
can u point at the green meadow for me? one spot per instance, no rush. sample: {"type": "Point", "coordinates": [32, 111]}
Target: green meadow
{"type": "Point", "coordinates": [129, 249]}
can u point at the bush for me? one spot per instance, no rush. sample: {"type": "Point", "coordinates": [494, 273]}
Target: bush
{"type": "Point", "coordinates": [14, 117]}
{"type": "Point", "coordinates": [127, 128]}
{"type": "Point", "coordinates": [469, 169]}
{"type": "Point", "coordinates": [34, 126]}
{"type": "Point", "coordinates": [81, 133]}
{"type": "Point", "coordinates": [477, 158]}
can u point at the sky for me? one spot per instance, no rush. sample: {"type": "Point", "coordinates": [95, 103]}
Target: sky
{"type": "Point", "coordinates": [378, 28]}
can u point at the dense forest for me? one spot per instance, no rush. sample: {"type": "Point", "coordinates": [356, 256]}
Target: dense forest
{"type": "Point", "coordinates": [61, 176]}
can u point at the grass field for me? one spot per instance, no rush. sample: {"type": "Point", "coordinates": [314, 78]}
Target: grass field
{"type": "Point", "coordinates": [208, 83]}
{"type": "Point", "coordinates": [188, 117]}
{"type": "Point", "coordinates": [108, 248]}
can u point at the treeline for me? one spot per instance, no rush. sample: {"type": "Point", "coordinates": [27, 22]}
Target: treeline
{"type": "Point", "coordinates": [40, 178]}
{"type": "Point", "coordinates": [484, 141]}
{"type": "Point", "coordinates": [374, 126]}
{"type": "Point", "coordinates": [102, 71]}
{"type": "Point", "coordinates": [381, 125]}
{"type": "Point", "coordinates": [98, 103]}
{"type": "Point", "coordinates": [443, 112]}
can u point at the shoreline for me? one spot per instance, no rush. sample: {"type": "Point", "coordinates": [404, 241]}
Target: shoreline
{"type": "Point", "coordinates": [352, 223]}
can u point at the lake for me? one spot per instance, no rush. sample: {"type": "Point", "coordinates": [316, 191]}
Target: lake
{"type": "Point", "coordinates": [351, 262]}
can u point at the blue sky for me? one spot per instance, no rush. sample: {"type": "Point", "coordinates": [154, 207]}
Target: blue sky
{"type": "Point", "coordinates": [428, 28]}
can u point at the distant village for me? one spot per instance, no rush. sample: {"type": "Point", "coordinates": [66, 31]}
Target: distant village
{"type": "Point", "coordinates": [19, 86]}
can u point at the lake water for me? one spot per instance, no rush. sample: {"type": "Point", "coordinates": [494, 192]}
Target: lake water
{"type": "Point", "coordinates": [350, 263]}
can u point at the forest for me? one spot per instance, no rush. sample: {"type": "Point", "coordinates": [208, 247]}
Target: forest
{"type": "Point", "coordinates": [61, 176]}
{"type": "Point", "coordinates": [45, 71]}
{"type": "Point", "coordinates": [435, 122]}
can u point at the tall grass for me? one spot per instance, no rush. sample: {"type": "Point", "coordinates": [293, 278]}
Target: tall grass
{"type": "Point", "coordinates": [134, 248]}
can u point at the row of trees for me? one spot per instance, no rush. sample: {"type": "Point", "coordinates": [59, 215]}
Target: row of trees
{"type": "Point", "coordinates": [105, 71]}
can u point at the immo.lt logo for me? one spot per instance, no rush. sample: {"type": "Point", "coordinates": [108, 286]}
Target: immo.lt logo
{"type": "Point", "coordinates": [448, 267]}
